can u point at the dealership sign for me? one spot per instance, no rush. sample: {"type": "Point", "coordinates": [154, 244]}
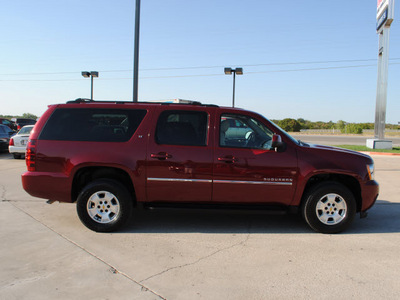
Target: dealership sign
{"type": "Point", "coordinates": [382, 19]}
{"type": "Point", "coordinates": [384, 13]}
{"type": "Point", "coordinates": [380, 7]}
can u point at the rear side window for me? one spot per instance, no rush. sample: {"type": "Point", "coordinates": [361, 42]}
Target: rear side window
{"type": "Point", "coordinates": [187, 128]}
{"type": "Point", "coordinates": [92, 125]}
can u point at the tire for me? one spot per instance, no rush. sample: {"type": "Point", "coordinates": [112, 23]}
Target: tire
{"type": "Point", "coordinates": [104, 205]}
{"type": "Point", "coordinates": [329, 207]}
{"type": "Point", "coordinates": [16, 156]}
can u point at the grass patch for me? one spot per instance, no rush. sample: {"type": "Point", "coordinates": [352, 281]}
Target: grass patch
{"type": "Point", "coordinates": [365, 148]}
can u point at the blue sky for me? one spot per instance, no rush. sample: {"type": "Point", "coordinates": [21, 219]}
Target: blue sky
{"type": "Point", "coordinates": [315, 60]}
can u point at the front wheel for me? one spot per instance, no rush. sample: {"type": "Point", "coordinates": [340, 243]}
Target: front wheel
{"type": "Point", "coordinates": [329, 207]}
{"type": "Point", "coordinates": [104, 205]}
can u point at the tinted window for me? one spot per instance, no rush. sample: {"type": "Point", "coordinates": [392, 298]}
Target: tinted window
{"type": "Point", "coordinates": [89, 124]}
{"type": "Point", "coordinates": [5, 130]}
{"type": "Point", "coordinates": [182, 128]}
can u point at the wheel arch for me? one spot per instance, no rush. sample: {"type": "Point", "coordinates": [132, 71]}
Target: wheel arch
{"type": "Point", "coordinates": [86, 175]}
{"type": "Point", "coordinates": [348, 181]}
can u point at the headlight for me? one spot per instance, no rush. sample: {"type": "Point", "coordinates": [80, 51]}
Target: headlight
{"type": "Point", "coordinates": [371, 171]}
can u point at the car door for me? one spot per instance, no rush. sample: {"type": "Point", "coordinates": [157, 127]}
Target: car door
{"type": "Point", "coordinates": [179, 158]}
{"type": "Point", "coordinates": [246, 169]}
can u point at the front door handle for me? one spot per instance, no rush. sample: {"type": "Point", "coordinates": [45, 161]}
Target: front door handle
{"type": "Point", "coordinates": [228, 159]}
{"type": "Point", "coordinates": [161, 155]}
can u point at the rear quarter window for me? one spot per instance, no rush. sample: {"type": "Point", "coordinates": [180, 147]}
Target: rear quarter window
{"type": "Point", "coordinates": [92, 125]}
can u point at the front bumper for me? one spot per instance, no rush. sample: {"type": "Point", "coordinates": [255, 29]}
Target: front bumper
{"type": "Point", "coordinates": [370, 192]}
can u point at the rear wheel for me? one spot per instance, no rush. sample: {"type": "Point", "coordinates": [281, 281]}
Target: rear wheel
{"type": "Point", "coordinates": [17, 156]}
{"type": "Point", "coordinates": [329, 207]}
{"type": "Point", "coordinates": [104, 205]}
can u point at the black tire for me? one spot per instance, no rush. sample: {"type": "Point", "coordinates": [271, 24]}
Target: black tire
{"type": "Point", "coordinates": [16, 156]}
{"type": "Point", "coordinates": [104, 205]}
{"type": "Point", "coordinates": [329, 207]}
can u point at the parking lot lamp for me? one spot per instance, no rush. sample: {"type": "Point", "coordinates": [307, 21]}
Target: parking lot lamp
{"type": "Point", "coordinates": [229, 71]}
{"type": "Point", "coordinates": [91, 74]}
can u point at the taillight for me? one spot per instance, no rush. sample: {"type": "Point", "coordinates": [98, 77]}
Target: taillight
{"type": "Point", "coordinates": [30, 156]}
{"type": "Point", "coordinates": [19, 127]}
{"type": "Point", "coordinates": [11, 142]}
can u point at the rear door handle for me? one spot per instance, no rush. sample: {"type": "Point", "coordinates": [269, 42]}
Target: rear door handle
{"type": "Point", "coordinates": [161, 155]}
{"type": "Point", "coordinates": [228, 159]}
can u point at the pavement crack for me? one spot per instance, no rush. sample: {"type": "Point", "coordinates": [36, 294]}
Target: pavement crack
{"type": "Point", "coordinates": [112, 269]}
{"type": "Point", "coordinates": [244, 241]}
{"type": "Point", "coordinates": [3, 193]}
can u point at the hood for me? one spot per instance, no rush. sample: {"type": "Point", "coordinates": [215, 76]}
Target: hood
{"type": "Point", "coordinates": [336, 149]}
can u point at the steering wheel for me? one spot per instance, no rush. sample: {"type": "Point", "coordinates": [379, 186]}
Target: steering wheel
{"type": "Point", "coordinates": [250, 139]}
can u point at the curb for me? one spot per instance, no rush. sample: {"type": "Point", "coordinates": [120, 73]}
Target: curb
{"type": "Point", "coordinates": [380, 153]}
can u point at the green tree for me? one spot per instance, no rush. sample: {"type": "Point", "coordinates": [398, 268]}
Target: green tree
{"type": "Point", "coordinates": [341, 124]}
{"type": "Point", "coordinates": [290, 125]}
{"type": "Point", "coordinates": [29, 116]}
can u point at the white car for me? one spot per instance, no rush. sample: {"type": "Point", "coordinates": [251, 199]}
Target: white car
{"type": "Point", "coordinates": [18, 142]}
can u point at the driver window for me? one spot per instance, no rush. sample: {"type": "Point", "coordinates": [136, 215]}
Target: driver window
{"type": "Point", "coordinates": [241, 131]}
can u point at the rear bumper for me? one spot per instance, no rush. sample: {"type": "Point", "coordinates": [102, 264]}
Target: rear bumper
{"type": "Point", "coordinates": [47, 185]}
{"type": "Point", "coordinates": [15, 149]}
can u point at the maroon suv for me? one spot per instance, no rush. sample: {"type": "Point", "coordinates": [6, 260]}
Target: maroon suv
{"type": "Point", "coordinates": [112, 156]}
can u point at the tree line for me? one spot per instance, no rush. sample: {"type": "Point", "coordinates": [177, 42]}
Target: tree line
{"type": "Point", "coordinates": [24, 116]}
{"type": "Point", "coordinates": [293, 125]}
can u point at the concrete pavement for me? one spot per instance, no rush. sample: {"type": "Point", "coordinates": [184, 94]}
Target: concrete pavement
{"type": "Point", "coordinates": [47, 253]}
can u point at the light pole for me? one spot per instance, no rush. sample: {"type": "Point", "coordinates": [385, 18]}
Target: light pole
{"type": "Point", "coordinates": [91, 74]}
{"type": "Point", "coordinates": [136, 53]}
{"type": "Point", "coordinates": [229, 71]}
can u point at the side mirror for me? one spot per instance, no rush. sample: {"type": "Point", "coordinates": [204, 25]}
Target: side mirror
{"type": "Point", "coordinates": [277, 143]}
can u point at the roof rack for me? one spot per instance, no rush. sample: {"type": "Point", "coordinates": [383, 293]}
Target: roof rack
{"type": "Point", "coordinates": [80, 100]}
{"type": "Point", "coordinates": [175, 101]}
{"type": "Point", "coordinates": [85, 100]}
{"type": "Point", "coordinates": [162, 102]}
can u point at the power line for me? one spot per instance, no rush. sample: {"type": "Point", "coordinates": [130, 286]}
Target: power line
{"type": "Point", "coordinates": [202, 75]}
{"type": "Point", "coordinates": [201, 67]}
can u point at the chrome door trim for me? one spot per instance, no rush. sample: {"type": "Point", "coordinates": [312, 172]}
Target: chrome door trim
{"type": "Point", "coordinates": [254, 182]}
{"type": "Point", "coordinates": [220, 181]}
{"type": "Point", "coordinates": [179, 180]}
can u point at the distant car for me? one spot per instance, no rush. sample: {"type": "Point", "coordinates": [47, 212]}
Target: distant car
{"type": "Point", "coordinates": [20, 122]}
{"type": "Point", "coordinates": [5, 134]}
{"type": "Point", "coordinates": [8, 123]}
{"type": "Point", "coordinates": [19, 141]}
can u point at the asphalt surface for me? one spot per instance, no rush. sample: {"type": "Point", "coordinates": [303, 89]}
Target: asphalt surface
{"type": "Point", "coordinates": [46, 253]}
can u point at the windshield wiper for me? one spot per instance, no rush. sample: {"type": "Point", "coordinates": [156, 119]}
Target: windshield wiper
{"type": "Point", "coordinates": [303, 144]}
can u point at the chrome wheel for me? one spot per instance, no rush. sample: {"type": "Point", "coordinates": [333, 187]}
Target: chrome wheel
{"type": "Point", "coordinates": [331, 209]}
{"type": "Point", "coordinates": [103, 207]}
